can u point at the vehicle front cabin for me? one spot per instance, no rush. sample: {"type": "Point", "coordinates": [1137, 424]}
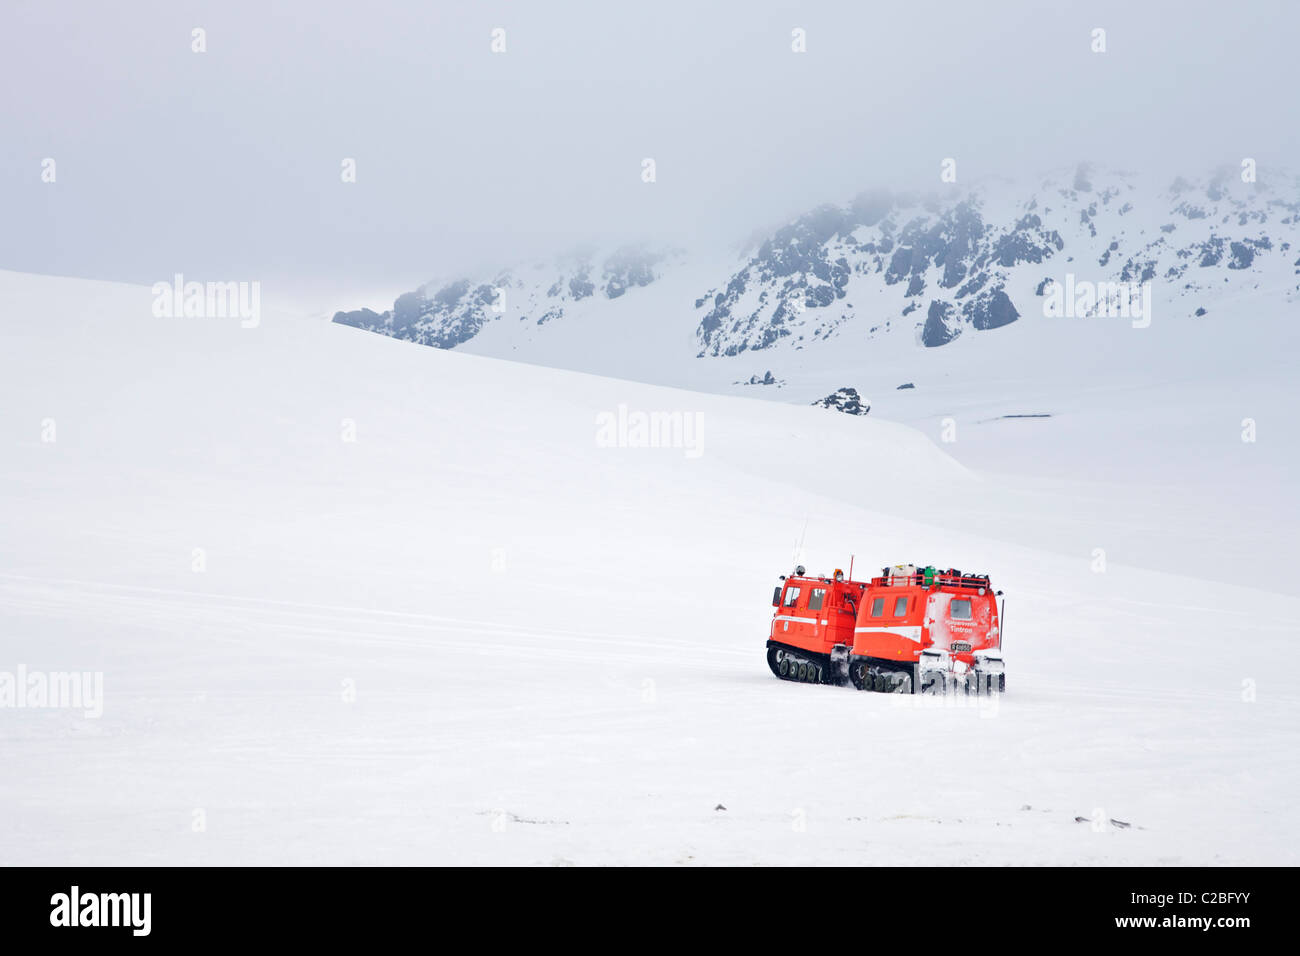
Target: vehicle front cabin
{"type": "Point", "coordinates": [813, 622]}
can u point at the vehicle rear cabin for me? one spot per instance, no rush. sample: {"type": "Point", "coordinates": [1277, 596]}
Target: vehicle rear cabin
{"type": "Point", "coordinates": [926, 630]}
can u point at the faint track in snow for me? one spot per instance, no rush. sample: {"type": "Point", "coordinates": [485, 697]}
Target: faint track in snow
{"type": "Point", "coordinates": [166, 606]}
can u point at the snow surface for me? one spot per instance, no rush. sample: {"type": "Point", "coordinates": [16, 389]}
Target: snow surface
{"type": "Point", "coordinates": [556, 648]}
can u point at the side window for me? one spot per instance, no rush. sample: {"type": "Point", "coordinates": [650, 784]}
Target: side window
{"type": "Point", "coordinates": [959, 610]}
{"type": "Point", "coordinates": [815, 599]}
{"type": "Point", "coordinates": [900, 607]}
{"type": "Point", "coordinates": [877, 607]}
{"type": "Point", "coordinates": [791, 596]}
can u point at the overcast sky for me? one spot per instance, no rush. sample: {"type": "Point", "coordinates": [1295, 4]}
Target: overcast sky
{"type": "Point", "coordinates": [226, 164]}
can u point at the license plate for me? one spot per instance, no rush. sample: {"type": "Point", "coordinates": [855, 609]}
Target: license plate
{"type": "Point", "coordinates": [961, 647]}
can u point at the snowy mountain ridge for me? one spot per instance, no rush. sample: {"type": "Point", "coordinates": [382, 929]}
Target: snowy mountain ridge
{"type": "Point", "coordinates": [930, 267]}
{"type": "Point", "coordinates": [452, 313]}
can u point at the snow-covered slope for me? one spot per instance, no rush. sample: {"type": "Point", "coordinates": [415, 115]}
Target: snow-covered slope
{"type": "Point", "coordinates": [360, 601]}
{"type": "Point", "coordinates": [891, 291]}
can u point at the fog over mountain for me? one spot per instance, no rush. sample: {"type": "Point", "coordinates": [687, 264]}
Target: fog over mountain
{"type": "Point", "coordinates": [227, 162]}
{"type": "Point", "coordinates": [881, 270]}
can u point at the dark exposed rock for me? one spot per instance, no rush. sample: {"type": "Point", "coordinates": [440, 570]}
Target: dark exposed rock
{"type": "Point", "coordinates": [581, 286]}
{"type": "Point", "coordinates": [940, 325]}
{"type": "Point", "coordinates": [819, 297]}
{"type": "Point", "coordinates": [844, 400]}
{"type": "Point", "coordinates": [1211, 252]}
{"type": "Point", "coordinates": [1027, 241]}
{"type": "Point", "coordinates": [990, 310]}
{"type": "Point", "coordinates": [976, 283]}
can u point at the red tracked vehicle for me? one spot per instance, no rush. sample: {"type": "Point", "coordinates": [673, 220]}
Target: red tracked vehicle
{"type": "Point", "coordinates": [916, 630]}
{"type": "Point", "coordinates": [812, 630]}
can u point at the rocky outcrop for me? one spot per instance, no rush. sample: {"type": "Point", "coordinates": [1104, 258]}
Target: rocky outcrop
{"type": "Point", "coordinates": [846, 400]}
{"type": "Point", "coordinates": [448, 315]}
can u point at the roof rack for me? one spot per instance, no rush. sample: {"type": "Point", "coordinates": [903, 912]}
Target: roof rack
{"type": "Point", "coordinates": [939, 578]}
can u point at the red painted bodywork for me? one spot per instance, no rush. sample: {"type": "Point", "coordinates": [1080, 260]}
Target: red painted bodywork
{"type": "Point", "coordinates": [913, 617]}
{"type": "Point", "coordinates": [817, 628]}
